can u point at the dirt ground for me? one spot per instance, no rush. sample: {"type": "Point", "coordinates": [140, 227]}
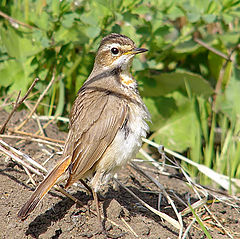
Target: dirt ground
{"type": "Point", "coordinates": [59, 217]}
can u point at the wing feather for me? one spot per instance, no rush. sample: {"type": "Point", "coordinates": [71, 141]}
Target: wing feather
{"type": "Point", "coordinates": [96, 118]}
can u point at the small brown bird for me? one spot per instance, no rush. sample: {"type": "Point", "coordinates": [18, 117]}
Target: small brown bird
{"type": "Point", "coordinates": [107, 122]}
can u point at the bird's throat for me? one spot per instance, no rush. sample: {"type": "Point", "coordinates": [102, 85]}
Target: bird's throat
{"type": "Point", "coordinates": [127, 80]}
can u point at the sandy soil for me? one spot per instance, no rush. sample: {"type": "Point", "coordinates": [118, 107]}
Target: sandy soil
{"type": "Point", "coordinates": [59, 217]}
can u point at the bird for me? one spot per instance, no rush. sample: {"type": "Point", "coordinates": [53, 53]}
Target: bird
{"type": "Point", "coordinates": [107, 122]}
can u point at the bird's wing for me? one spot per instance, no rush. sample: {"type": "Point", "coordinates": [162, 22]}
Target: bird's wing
{"type": "Point", "coordinates": [96, 118]}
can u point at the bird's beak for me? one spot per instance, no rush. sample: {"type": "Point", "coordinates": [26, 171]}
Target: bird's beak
{"type": "Point", "coordinates": [136, 51]}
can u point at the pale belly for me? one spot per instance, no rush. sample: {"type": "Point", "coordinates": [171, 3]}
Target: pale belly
{"type": "Point", "coordinates": [124, 147]}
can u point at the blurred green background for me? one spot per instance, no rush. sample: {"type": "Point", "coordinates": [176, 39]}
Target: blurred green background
{"type": "Point", "coordinates": [189, 79]}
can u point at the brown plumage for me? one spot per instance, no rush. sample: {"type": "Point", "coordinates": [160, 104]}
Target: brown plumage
{"type": "Point", "coordinates": [107, 121]}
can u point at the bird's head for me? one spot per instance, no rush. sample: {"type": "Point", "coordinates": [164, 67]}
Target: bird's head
{"type": "Point", "coordinates": [116, 51]}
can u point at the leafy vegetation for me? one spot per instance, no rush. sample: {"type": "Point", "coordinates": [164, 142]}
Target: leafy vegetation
{"type": "Point", "coordinates": [190, 78]}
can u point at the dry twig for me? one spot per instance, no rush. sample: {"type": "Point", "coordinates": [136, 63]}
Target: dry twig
{"type": "Point", "coordinates": [7, 152]}
{"type": "Point", "coordinates": [18, 103]}
{"type": "Point", "coordinates": [29, 138]}
{"type": "Point", "coordinates": [212, 49]}
{"type": "Point", "coordinates": [37, 136]}
{"type": "Point", "coordinates": [12, 20]}
{"type": "Point", "coordinates": [160, 214]}
{"type": "Point", "coordinates": [145, 174]}
{"type": "Point", "coordinates": [188, 228]}
{"type": "Point", "coordinates": [129, 227]}
{"type": "Point", "coordinates": [38, 102]}
{"type": "Point", "coordinates": [37, 119]}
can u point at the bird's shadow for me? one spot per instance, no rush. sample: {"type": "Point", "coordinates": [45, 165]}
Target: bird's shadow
{"type": "Point", "coordinates": [42, 222]}
{"type": "Point", "coordinates": [134, 207]}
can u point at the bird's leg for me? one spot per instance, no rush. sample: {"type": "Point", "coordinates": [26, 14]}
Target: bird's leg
{"type": "Point", "coordinates": [103, 230]}
{"type": "Point", "coordinates": [95, 197]}
{"type": "Point", "coordinates": [86, 186]}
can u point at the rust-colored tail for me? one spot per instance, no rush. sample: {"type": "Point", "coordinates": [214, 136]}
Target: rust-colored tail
{"type": "Point", "coordinates": [43, 188]}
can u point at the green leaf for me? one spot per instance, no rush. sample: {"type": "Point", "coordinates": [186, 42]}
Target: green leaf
{"type": "Point", "coordinates": [138, 65]}
{"type": "Point", "coordinates": [61, 96]}
{"type": "Point", "coordinates": [227, 18]}
{"type": "Point", "coordinates": [100, 9]}
{"type": "Point", "coordinates": [229, 39]}
{"type": "Point", "coordinates": [89, 19]}
{"type": "Point", "coordinates": [55, 6]}
{"type": "Point", "coordinates": [16, 74]}
{"type": "Point", "coordinates": [193, 16]}
{"type": "Point", "coordinates": [74, 34]}
{"type": "Point", "coordinates": [215, 62]}
{"type": "Point", "coordinates": [129, 30]}
{"type": "Point", "coordinates": [229, 101]}
{"type": "Point", "coordinates": [186, 47]}
{"type": "Point", "coordinates": [17, 44]}
{"type": "Point", "coordinates": [174, 12]}
{"type": "Point", "coordinates": [141, 9]}
{"type": "Point", "coordinates": [163, 31]}
{"type": "Point", "coordinates": [173, 129]}
{"type": "Point", "coordinates": [227, 75]}
{"type": "Point", "coordinates": [68, 19]}
{"type": "Point", "coordinates": [41, 38]}
{"type": "Point", "coordinates": [208, 18]}
{"type": "Point", "coordinates": [200, 223]}
{"type": "Point", "coordinates": [161, 109]}
{"type": "Point", "coordinates": [43, 22]}
{"type": "Point", "coordinates": [159, 84]}
{"type": "Point", "coordinates": [144, 30]}
{"type": "Point", "coordinates": [92, 31]}
{"type": "Point", "coordinates": [105, 3]}
{"type": "Point", "coordinates": [8, 70]}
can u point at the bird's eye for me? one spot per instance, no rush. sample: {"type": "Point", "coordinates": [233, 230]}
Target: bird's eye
{"type": "Point", "coordinates": [114, 51]}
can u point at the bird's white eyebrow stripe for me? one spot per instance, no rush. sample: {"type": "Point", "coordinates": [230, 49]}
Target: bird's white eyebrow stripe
{"type": "Point", "coordinates": [111, 45]}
